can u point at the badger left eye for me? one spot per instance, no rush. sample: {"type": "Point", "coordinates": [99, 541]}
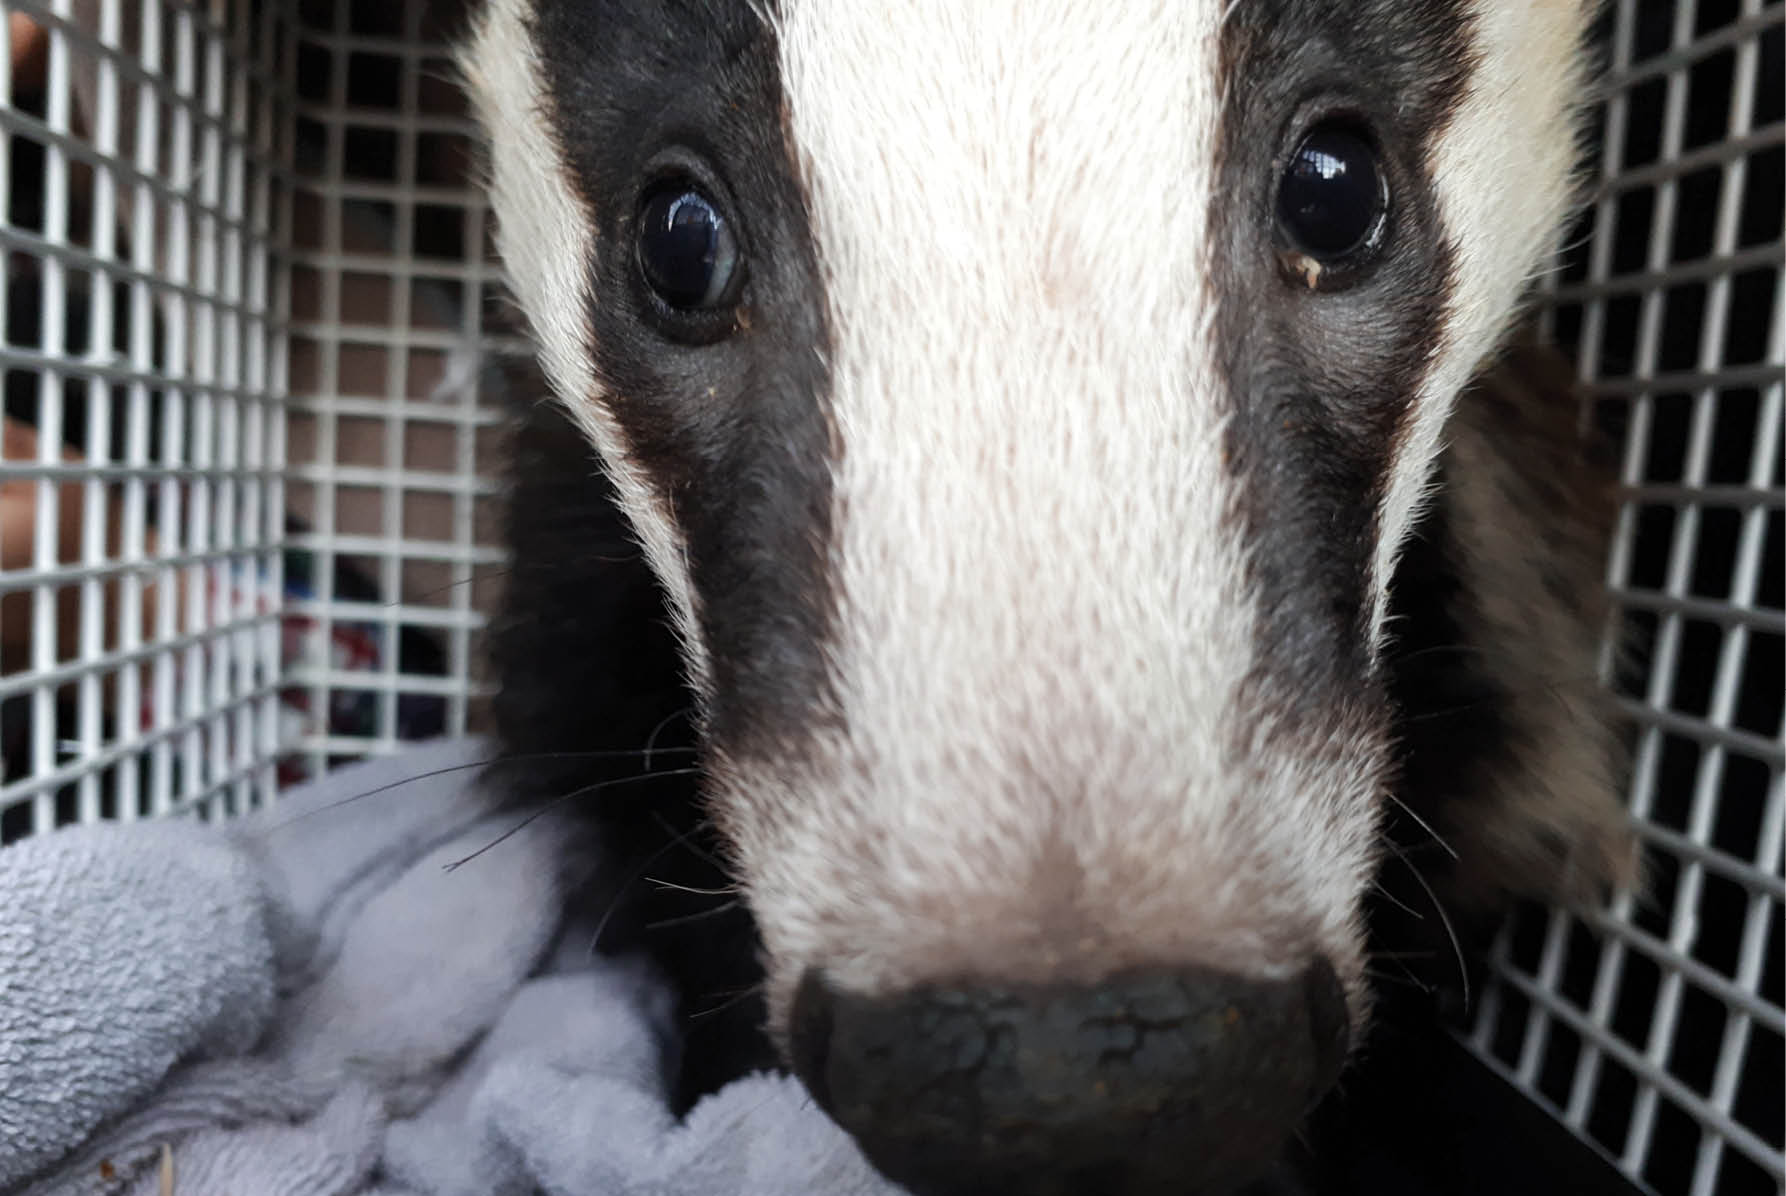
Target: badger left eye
{"type": "Point", "coordinates": [1332, 198]}
{"type": "Point", "coordinates": [686, 249]}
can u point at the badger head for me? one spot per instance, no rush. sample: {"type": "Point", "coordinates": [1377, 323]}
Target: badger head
{"type": "Point", "coordinates": [1022, 405]}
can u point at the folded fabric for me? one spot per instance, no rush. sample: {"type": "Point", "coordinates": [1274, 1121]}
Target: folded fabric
{"type": "Point", "coordinates": [374, 987]}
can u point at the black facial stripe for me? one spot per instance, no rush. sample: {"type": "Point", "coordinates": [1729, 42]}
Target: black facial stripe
{"type": "Point", "coordinates": [734, 432]}
{"type": "Point", "coordinates": [1322, 384]}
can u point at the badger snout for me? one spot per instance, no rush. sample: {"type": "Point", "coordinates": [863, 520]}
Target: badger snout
{"type": "Point", "coordinates": [1159, 1081]}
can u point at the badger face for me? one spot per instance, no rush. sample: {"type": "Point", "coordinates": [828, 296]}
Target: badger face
{"type": "Point", "coordinates": [1022, 405]}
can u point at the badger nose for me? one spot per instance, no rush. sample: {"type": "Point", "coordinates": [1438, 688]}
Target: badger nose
{"type": "Point", "coordinates": [1176, 1082]}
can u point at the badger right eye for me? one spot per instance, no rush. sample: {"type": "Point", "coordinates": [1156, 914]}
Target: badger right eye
{"type": "Point", "coordinates": [686, 249]}
{"type": "Point", "coordinates": [1333, 198]}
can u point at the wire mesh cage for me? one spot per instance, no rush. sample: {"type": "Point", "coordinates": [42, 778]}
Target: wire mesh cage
{"type": "Point", "coordinates": [397, 339]}
{"type": "Point", "coordinates": [147, 209]}
{"type": "Point", "coordinates": [254, 349]}
{"type": "Point", "coordinates": [250, 409]}
{"type": "Point", "coordinates": [1655, 1029]}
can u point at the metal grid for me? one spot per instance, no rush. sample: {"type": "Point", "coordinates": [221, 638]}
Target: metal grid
{"type": "Point", "coordinates": [1655, 1030]}
{"type": "Point", "coordinates": [250, 335]}
{"type": "Point", "coordinates": [395, 393]}
{"type": "Point", "coordinates": [143, 213]}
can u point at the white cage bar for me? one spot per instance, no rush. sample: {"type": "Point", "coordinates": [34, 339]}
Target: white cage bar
{"type": "Point", "coordinates": [253, 353]}
{"type": "Point", "coordinates": [147, 198]}
{"type": "Point", "coordinates": [1655, 1030]}
{"type": "Point", "coordinates": [393, 414]}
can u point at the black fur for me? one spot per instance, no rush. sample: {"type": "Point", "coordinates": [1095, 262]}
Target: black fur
{"type": "Point", "coordinates": [734, 431]}
{"type": "Point", "coordinates": [728, 419]}
{"type": "Point", "coordinates": [588, 663]}
{"type": "Point", "coordinates": [1321, 380]}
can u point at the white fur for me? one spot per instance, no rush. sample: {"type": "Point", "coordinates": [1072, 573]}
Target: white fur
{"type": "Point", "coordinates": [1044, 625]}
{"type": "Point", "coordinates": [1503, 171]}
{"type": "Point", "coordinates": [545, 236]}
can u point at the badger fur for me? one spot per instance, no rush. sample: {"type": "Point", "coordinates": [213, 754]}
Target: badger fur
{"type": "Point", "coordinates": [1055, 571]}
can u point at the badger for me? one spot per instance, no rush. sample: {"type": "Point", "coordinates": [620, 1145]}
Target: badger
{"type": "Point", "coordinates": [1055, 499]}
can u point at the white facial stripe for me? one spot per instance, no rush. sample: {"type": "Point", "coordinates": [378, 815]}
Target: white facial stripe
{"type": "Point", "coordinates": [1501, 198]}
{"type": "Point", "coordinates": [1043, 623]}
{"type": "Point", "coordinates": [546, 241]}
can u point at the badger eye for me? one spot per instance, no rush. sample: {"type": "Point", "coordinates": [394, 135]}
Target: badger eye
{"type": "Point", "coordinates": [1332, 197]}
{"type": "Point", "coordinates": [686, 249]}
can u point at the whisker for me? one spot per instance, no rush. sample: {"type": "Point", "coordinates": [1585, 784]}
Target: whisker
{"type": "Point", "coordinates": [705, 856]}
{"type": "Point", "coordinates": [728, 891]}
{"type": "Point", "coordinates": [1555, 687]}
{"type": "Point", "coordinates": [1422, 823]}
{"type": "Point", "coordinates": [1392, 658]}
{"type": "Point", "coordinates": [451, 585]}
{"type": "Point", "coordinates": [676, 840]}
{"type": "Point", "coordinates": [723, 907]}
{"type": "Point", "coordinates": [1406, 979]}
{"type": "Point", "coordinates": [1396, 901]}
{"type": "Point", "coordinates": [1463, 971]}
{"type": "Point", "coordinates": [604, 754]}
{"type": "Point", "coordinates": [737, 998]}
{"type": "Point", "coordinates": [651, 740]}
{"type": "Point", "coordinates": [560, 800]}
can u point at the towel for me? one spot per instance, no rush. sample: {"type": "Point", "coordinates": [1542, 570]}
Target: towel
{"type": "Point", "coordinates": [374, 987]}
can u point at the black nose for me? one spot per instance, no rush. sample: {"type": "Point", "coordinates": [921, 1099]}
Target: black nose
{"type": "Point", "coordinates": [1182, 1082]}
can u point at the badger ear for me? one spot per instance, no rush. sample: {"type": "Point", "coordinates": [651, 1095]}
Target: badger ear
{"type": "Point", "coordinates": [1510, 742]}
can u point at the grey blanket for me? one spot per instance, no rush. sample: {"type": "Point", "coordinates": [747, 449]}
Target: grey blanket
{"type": "Point", "coordinates": [311, 1001]}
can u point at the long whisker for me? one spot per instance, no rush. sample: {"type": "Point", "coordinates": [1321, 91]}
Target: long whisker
{"type": "Point", "coordinates": [651, 740]}
{"type": "Point", "coordinates": [721, 908]}
{"type": "Point", "coordinates": [1556, 687]}
{"type": "Point", "coordinates": [676, 840]}
{"type": "Point", "coordinates": [728, 891]}
{"type": "Point", "coordinates": [737, 998]}
{"type": "Point", "coordinates": [1421, 823]}
{"type": "Point", "coordinates": [1392, 658]}
{"type": "Point", "coordinates": [706, 857]}
{"type": "Point", "coordinates": [560, 800]}
{"type": "Point", "coordinates": [1396, 901]}
{"type": "Point", "coordinates": [1463, 971]}
{"type": "Point", "coordinates": [609, 754]}
{"type": "Point", "coordinates": [453, 584]}
{"type": "Point", "coordinates": [1407, 978]}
